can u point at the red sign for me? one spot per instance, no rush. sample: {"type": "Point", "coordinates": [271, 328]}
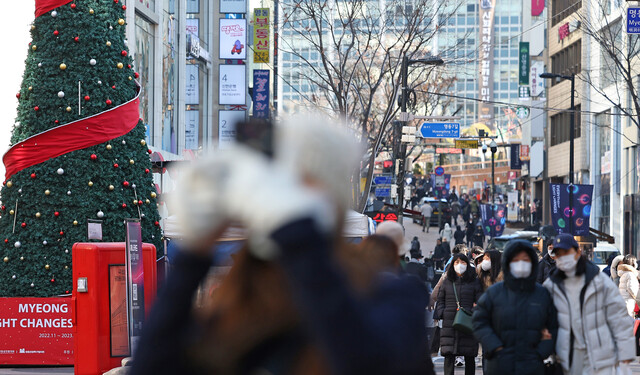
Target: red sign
{"type": "Point", "coordinates": [36, 331]}
{"type": "Point", "coordinates": [537, 7]}
{"type": "Point", "coordinates": [563, 31]}
{"type": "Point", "coordinates": [448, 150]}
{"type": "Point", "coordinates": [379, 217]}
{"type": "Point", "coordinates": [524, 152]}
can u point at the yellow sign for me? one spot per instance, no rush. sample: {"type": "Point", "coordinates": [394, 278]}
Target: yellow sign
{"type": "Point", "coordinates": [466, 143]}
{"type": "Point", "coordinates": [261, 35]}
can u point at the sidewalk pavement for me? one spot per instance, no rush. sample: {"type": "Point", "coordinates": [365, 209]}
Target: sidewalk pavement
{"type": "Point", "coordinates": [439, 363]}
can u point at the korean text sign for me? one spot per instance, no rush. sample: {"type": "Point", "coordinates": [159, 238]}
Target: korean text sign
{"type": "Point", "coordinates": [261, 35]}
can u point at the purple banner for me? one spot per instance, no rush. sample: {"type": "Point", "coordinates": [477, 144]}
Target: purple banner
{"type": "Point", "coordinates": [560, 212]}
{"type": "Point", "coordinates": [493, 219]}
{"type": "Point", "coordinates": [441, 185]}
{"type": "Point", "coordinates": [135, 280]}
{"type": "Point", "coordinates": [261, 94]}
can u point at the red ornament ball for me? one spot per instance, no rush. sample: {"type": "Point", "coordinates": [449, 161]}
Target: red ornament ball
{"type": "Point", "coordinates": [76, 39]}
{"type": "Point", "coordinates": [94, 157]}
{"type": "Point", "coordinates": [73, 6]}
{"type": "Point", "coordinates": [4, 207]}
{"type": "Point", "coordinates": [157, 223]}
{"type": "Point", "coordinates": [36, 108]}
{"type": "Point", "coordinates": [113, 87]}
{"type": "Point", "coordinates": [140, 202]}
{"type": "Point", "coordinates": [56, 214]}
{"type": "Point", "coordinates": [115, 1]}
{"type": "Point", "coordinates": [129, 66]}
{"type": "Point", "coordinates": [149, 151]}
{"type": "Point", "coordinates": [62, 233]}
{"type": "Point", "coordinates": [6, 240]}
{"type": "Point", "coordinates": [109, 102]}
{"type": "Point", "coordinates": [53, 280]}
{"type": "Point", "coordinates": [115, 165]}
{"type": "Point", "coordinates": [145, 171]}
{"type": "Point", "coordinates": [124, 7]}
{"type": "Point", "coordinates": [87, 98]}
{"type": "Point", "coordinates": [24, 225]}
{"type": "Point", "coordinates": [125, 184]}
{"type": "Point", "coordinates": [124, 205]}
{"type": "Point", "coordinates": [123, 53]}
{"type": "Point", "coordinates": [56, 33]}
{"type": "Point", "coordinates": [56, 122]}
{"type": "Point", "coordinates": [18, 95]}
{"type": "Point", "coordinates": [136, 75]}
{"type": "Point", "coordinates": [33, 175]}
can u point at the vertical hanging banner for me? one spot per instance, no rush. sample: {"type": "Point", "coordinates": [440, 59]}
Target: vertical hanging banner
{"type": "Point", "coordinates": [493, 219]}
{"type": "Point", "coordinates": [524, 64]}
{"type": "Point", "coordinates": [537, 7]}
{"type": "Point", "coordinates": [135, 280]}
{"type": "Point", "coordinates": [441, 184]}
{"type": "Point", "coordinates": [233, 38]}
{"type": "Point", "coordinates": [261, 94]}
{"type": "Point", "coordinates": [485, 108]}
{"type": "Point", "coordinates": [560, 213]}
{"type": "Point", "coordinates": [516, 164]}
{"type": "Point", "coordinates": [261, 35]}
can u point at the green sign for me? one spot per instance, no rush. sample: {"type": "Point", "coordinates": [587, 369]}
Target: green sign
{"type": "Point", "coordinates": [524, 63]}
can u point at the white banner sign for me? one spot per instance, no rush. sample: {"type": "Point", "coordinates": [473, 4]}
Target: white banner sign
{"type": "Point", "coordinates": [537, 83]}
{"type": "Point", "coordinates": [233, 6]}
{"type": "Point", "coordinates": [512, 207]}
{"type": "Point", "coordinates": [232, 85]}
{"type": "Point", "coordinates": [233, 38]}
{"type": "Point", "coordinates": [227, 121]}
{"type": "Point", "coordinates": [192, 93]}
{"type": "Point", "coordinates": [192, 120]}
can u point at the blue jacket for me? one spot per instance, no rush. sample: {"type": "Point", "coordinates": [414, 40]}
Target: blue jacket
{"type": "Point", "coordinates": [512, 314]}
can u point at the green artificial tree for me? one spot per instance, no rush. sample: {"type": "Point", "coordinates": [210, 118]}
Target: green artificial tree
{"type": "Point", "coordinates": [78, 66]}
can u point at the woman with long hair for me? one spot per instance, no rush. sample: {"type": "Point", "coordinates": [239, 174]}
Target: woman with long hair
{"type": "Point", "coordinates": [459, 286]}
{"type": "Point", "coordinates": [489, 269]}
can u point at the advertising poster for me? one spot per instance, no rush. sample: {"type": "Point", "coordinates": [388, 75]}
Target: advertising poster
{"type": "Point", "coordinates": [191, 129]}
{"type": "Point", "coordinates": [233, 6]}
{"type": "Point", "coordinates": [227, 121]}
{"type": "Point", "coordinates": [512, 206]}
{"type": "Point", "coordinates": [493, 219]}
{"type": "Point", "coordinates": [261, 35]}
{"type": "Point", "coordinates": [232, 85]}
{"type": "Point", "coordinates": [36, 331]}
{"type": "Point", "coordinates": [233, 38]}
{"type": "Point", "coordinates": [561, 214]}
{"type": "Point", "coordinates": [135, 278]}
{"type": "Point", "coordinates": [441, 185]}
{"type": "Point", "coordinates": [261, 94]}
{"type": "Point", "coordinates": [118, 311]}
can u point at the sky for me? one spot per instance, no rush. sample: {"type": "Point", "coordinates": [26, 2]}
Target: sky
{"type": "Point", "coordinates": [14, 40]}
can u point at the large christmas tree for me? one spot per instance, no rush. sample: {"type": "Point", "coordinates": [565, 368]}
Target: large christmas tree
{"type": "Point", "coordinates": [78, 150]}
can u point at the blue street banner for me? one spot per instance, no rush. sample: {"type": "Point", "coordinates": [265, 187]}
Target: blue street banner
{"type": "Point", "coordinates": [561, 214]}
{"type": "Point", "coordinates": [493, 218]}
{"type": "Point", "coordinates": [135, 280]}
{"type": "Point", "coordinates": [633, 20]}
{"type": "Point", "coordinates": [261, 94]}
{"type": "Point", "coordinates": [440, 130]}
{"type": "Point", "coordinates": [382, 180]}
{"type": "Point", "coordinates": [515, 156]}
{"type": "Point", "coordinates": [441, 185]}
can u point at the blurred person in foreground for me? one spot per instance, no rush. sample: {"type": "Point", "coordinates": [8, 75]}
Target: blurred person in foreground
{"type": "Point", "coordinates": [515, 320]}
{"type": "Point", "coordinates": [595, 333]}
{"type": "Point", "coordinates": [286, 306]}
{"type": "Point", "coordinates": [460, 285]}
{"type": "Point", "coordinates": [395, 231]}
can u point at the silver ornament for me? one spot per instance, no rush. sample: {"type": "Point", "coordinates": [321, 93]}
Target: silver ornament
{"type": "Point", "coordinates": [110, 27]}
{"type": "Point", "coordinates": [45, 242]}
{"type": "Point", "coordinates": [69, 192]}
{"type": "Point", "coordinates": [133, 186]}
{"type": "Point", "coordinates": [53, 14]}
{"type": "Point", "coordinates": [99, 82]}
{"type": "Point", "coordinates": [60, 171]}
{"type": "Point", "coordinates": [39, 65]}
{"type": "Point", "coordinates": [92, 62]}
{"type": "Point", "coordinates": [142, 215]}
{"type": "Point", "coordinates": [20, 191]}
{"type": "Point", "coordinates": [60, 94]}
{"type": "Point", "coordinates": [100, 214]}
{"type": "Point", "coordinates": [13, 277]}
{"type": "Point", "coordinates": [17, 244]}
{"type": "Point", "coordinates": [124, 142]}
{"type": "Point", "coordinates": [66, 251]}
{"type": "Point", "coordinates": [32, 285]}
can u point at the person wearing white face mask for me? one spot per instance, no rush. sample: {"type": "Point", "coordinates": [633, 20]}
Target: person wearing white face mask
{"type": "Point", "coordinates": [595, 333]}
{"type": "Point", "coordinates": [515, 320]}
{"type": "Point", "coordinates": [489, 269]}
{"type": "Point", "coordinates": [460, 285]}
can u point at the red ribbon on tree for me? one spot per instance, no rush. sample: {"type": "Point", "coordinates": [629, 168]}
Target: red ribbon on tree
{"type": "Point", "coordinates": [77, 135]}
{"type": "Point", "coordinates": [43, 6]}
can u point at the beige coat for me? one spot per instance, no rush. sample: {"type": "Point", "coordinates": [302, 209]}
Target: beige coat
{"type": "Point", "coordinates": [629, 286]}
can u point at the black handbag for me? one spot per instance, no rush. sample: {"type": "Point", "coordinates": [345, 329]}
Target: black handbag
{"type": "Point", "coordinates": [462, 321]}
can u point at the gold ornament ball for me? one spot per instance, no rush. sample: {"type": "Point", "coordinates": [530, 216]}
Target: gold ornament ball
{"type": "Point", "coordinates": [147, 201]}
{"type": "Point", "coordinates": [68, 109]}
{"type": "Point", "coordinates": [91, 11]}
{"type": "Point", "coordinates": [153, 194]}
{"type": "Point", "coordinates": [21, 258]}
{"type": "Point", "coordinates": [111, 187]}
{"type": "Point", "coordinates": [75, 222]}
{"type": "Point", "coordinates": [12, 212]}
{"type": "Point", "coordinates": [6, 259]}
{"type": "Point", "coordinates": [90, 183]}
{"type": "Point", "coordinates": [109, 147]}
{"type": "Point", "coordinates": [135, 202]}
{"type": "Point", "coordinates": [130, 78]}
{"type": "Point", "coordinates": [9, 184]}
{"type": "Point", "coordinates": [33, 27]}
{"type": "Point", "coordinates": [47, 192]}
{"type": "Point", "coordinates": [38, 214]}
{"type": "Point", "coordinates": [46, 267]}
{"type": "Point", "coordinates": [63, 66]}
{"type": "Point", "coordinates": [120, 22]}
{"type": "Point", "coordinates": [34, 47]}
{"type": "Point", "coordinates": [108, 43]}
{"type": "Point", "coordinates": [143, 142]}
{"type": "Point", "coordinates": [30, 88]}
{"type": "Point", "coordinates": [66, 267]}
{"type": "Point", "coordinates": [131, 161]}
{"type": "Point", "coordinates": [120, 65]}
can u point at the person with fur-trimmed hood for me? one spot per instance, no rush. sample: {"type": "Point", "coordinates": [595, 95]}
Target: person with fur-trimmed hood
{"type": "Point", "coordinates": [595, 333]}
{"type": "Point", "coordinates": [614, 269]}
{"type": "Point", "coordinates": [489, 268]}
{"type": "Point", "coordinates": [629, 285]}
{"type": "Point", "coordinates": [515, 320]}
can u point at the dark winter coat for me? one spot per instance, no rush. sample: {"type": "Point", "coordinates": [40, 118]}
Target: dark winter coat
{"type": "Point", "coordinates": [478, 237]}
{"type": "Point", "coordinates": [512, 314]}
{"type": "Point", "coordinates": [459, 237]}
{"type": "Point", "coordinates": [545, 268]}
{"type": "Point", "coordinates": [441, 253]}
{"type": "Point", "coordinates": [418, 270]}
{"type": "Point", "coordinates": [453, 341]}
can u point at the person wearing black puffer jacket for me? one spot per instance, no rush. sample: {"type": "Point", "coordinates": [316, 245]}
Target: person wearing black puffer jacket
{"type": "Point", "coordinates": [468, 290]}
{"type": "Point", "coordinates": [546, 266]}
{"type": "Point", "coordinates": [515, 320]}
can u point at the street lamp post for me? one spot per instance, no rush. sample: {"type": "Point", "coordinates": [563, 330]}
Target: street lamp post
{"type": "Point", "coordinates": [406, 62]}
{"type": "Point", "coordinates": [572, 116]}
{"type": "Point", "coordinates": [494, 148]}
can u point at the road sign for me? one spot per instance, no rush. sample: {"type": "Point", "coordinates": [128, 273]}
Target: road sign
{"type": "Point", "coordinates": [383, 192]}
{"type": "Point", "coordinates": [633, 20]}
{"type": "Point", "coordinates": [382, 180]}
{"type": "Point", "coordinates": [440, 130]}
{"type": "Point", "coordinates": [467, 143]}
{"type": "Point", "coordinates": [439, 171]}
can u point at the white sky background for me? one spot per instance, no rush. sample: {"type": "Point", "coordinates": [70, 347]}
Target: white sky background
{"type": "Point", "coordinates": [15, 37]}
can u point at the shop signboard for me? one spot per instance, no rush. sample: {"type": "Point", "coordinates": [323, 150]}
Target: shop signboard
{"type": "Point", "coordinates": [232, 85]}
{"type": "Point", "coordinates": [233, 39]}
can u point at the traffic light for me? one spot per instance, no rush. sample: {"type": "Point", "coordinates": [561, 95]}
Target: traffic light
{"type": "Point", "coordinates": [387, 166]}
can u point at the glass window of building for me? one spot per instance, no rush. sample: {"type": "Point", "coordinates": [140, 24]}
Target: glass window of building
{"type": "Point", "coordinates": [169, 77]}
{"type": "Point", "coordinates": [144, 55]}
